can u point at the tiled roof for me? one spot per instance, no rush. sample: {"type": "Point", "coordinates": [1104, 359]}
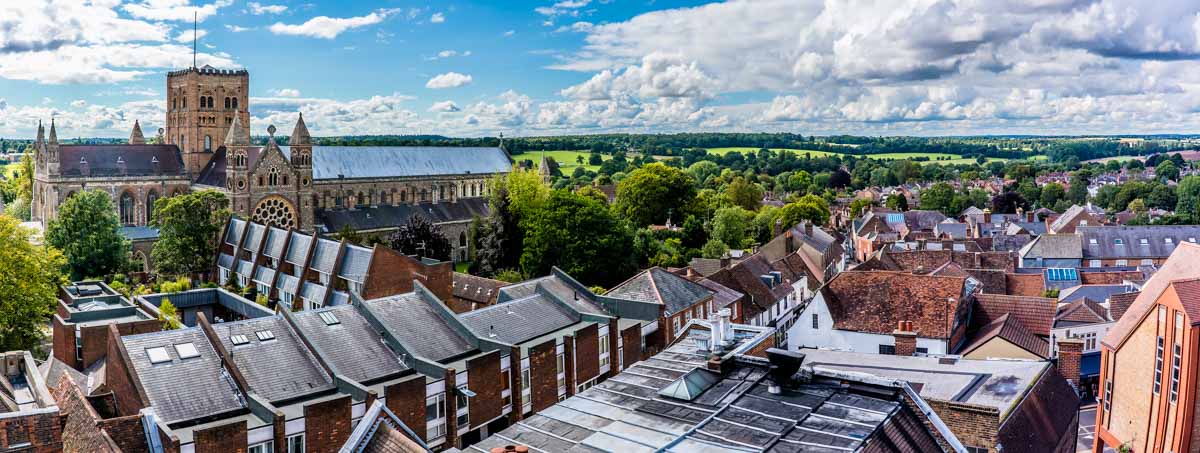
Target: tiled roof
{"type": "Point", "coordinates": [1033, 285]}
{"type": "Point", "coordinates": [1180, 266]}
{"type": "Point", "coordinates": [520, 320]}
{"type": "Point", "coordinates": [334, 162]}
{"type": "Point", "coordinates": [121, 160]}
{"type": "Point", "coordinates": [657, 286]}
{"type": "Point", "coordinates": [705, 266]}
{"type": "Point", "coordinates": [1054, 246]}
{"type": "Point", "coordinates": [355, 263]}
{"type": "Point", "coordinates": [875, 301]}
{"type": "Point", "coordinates": [1035, 313]}
{"type": "Point", "coordinates": [419, 327]}
{"type": "Point", "coordinates": [1119, 303]}
{"type": "Point", "coordinates": [1010, 329]}
{"type": "Point", "coordinates": [474, 288]}
{"type": "Point", "coordinates": [388, 216]}
{"type": "Point", "coordinates": [183, 389]}
{"type": "Point", "coordinates": [352, 346]}
{"type": "Point", "coordinates": [1079, 312]}
{"type": "Point", "coordinates": [1072, 213]}
{"type": "Point", "coordinates": [278, 368]}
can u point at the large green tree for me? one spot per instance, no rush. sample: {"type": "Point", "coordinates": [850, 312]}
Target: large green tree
{"type": "Point", "coordinates": [744, 193]}
{"type": "Point", "coordinates": [88, 233]}
{"type": "Point", "coordinates": [419, 236]}
{"type": "Point", "coordinates": [1187, 197]}
{"type": "Point", "coordinates": [189, 227]}
{"type": "Point", "coordinates": [652, 193]}
{"type": "Point", "coordinates": [580, 236]}
{"type": "Point", "coordinates": [729, 225]}
{"type": "Point", "coordinates": [29, 280]}
{"type": "Point", "coordinates": [1051, 193]}
{"type": "Point", "coordinates": [809, 207]}
{"type": "Point", "coordinates": [938, 197]}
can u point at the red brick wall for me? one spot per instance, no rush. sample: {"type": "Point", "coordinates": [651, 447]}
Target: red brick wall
{"type": "Point", "coordinates": [119, 378]}
{"type": "Point", "coordinates": [514, 377]}
{"type": "Point", "coordinates": [543, 376]}
{"type": "Point", "coordinates": [974, 426]}
{"type": "Point", "coordinates": [228, 438]}
{"type": "Point", "coordinates": [80, 431]}
{"type": "Point", "coordinates": [613, 336]}
{"type": "Point", "coordinates": [393, 273]}
{"type": "Point", "coordinates": [63, 334]}
{"type": "Point", "coordinates": [587, 353]}
{"type": "Point", "coordinates": [631, 342]}
{"type": "Point", "coordinates": [484, 378]}
{"type": "Point", "coordinates": [326, 425]}
{"type": "Point", "coordinates": [127, 432]}
{"type": "Point", "coordinates": [760, 350]}
{"type": "Point", "coordinates": [42, 431]}
{"type": "Point", "coordinates": [406, 399]}
{"type": "Point", "coordinates": [569, 365]}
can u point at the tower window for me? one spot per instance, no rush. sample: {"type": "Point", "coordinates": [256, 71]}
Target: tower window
{"type": "Point", "coordinates": [235, 103]}
{"type": "Point", "coordinates": [208, 143]}
{"type": "Point", "coordinates": [226, 103]}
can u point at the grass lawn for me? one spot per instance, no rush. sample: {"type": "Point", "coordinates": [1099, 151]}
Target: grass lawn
{"type": "Point", "coordinates": [747, 150]}
{"type": "Point", "coordinates": [566, 159]}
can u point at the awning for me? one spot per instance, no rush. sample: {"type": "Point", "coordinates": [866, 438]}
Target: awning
{"type": "Point", "coordinates": [1089, 365]}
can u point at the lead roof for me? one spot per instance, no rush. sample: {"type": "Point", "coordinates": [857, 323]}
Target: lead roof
{"type": "Point", "coordinates": [520, 320]}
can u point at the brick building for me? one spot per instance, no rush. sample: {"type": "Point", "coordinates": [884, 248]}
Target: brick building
{"type": "Point", "coordinates": [1148, 370]}
{"type": "Point", "coordinates": [668, 300]}
{"type": "Point", "coordinates": [80, 325]}
{"type": "Point", "coordinates": [30, 420]}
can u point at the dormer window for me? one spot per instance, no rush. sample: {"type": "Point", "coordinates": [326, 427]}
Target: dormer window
{"type": "Point", "coordinates": [82, 161]}
{"type": "Point", "coordinates": [1168, 241]}
{"type": "Point", "coordinates": [1118, 241]}
{"type": "Point", "coordinates": [1144, 241]}
{"type": "Point", "coordinates": [1092, 241]}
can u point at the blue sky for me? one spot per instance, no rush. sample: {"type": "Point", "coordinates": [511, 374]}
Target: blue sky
{"type": "Point", "coordinates": [464, 68]}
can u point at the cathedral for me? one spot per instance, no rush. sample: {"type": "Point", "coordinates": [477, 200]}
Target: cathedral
{"type": "Point", "coordinates": [312, 188]}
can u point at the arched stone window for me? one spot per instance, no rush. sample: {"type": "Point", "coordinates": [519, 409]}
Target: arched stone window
{"type": "Point", "coordinates": [361, 200]}
{"type": "Point", "coordinates": [235, 103]}
{"type": "Point", "coordinates": [273, 178]}
{"type": "Point", "coordinates": [208, 143]}
{"type": "Point", "coordinates": [226, 103]}
{"type": "Point", "coordinates": [127, 209]}
{"type": "Point", "coordinates": [462, 239]}
{"type": "Point", "coordinates": [150, 200]}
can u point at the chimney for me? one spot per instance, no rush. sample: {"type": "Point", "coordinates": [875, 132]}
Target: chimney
{"type": "Point", "coordinates": [987, 216]}
{"type": "Point", "coordinates": [511, 449]}
{"type": "Point", "coordinates": [1020, 213]}
{"type": "Point", "coordinates": [1070, 351]}
{"type": "Point", "coordinates": [784, 364]}
{"type": "Point", "coordinates": [716, 343]}
{"type": "Point", "coordinates": [808, 228]}
{"type": "Point", "coordinates": [787, 243]}
{"type": "Point", "coordinates": [726, 326]}
{"type": "Point", "coordinates": [1028, 216]}
{"type": "Point", "coordinates": [725, 261]}
{"type": "Point", "coordinates": [906, 339]}
{"type": "Point", "coordinates": [691, 273]}
{"type": "Point", "coordinates": [777, 229]}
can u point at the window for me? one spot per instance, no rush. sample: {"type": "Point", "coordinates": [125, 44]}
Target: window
{"type": "Point", "coordinates": [329, 318]}
{"type": "Point", "coordinates": [887, 349]}
{"type": "Point", "coordinates": [1094, 263]}
{"type": "Point", "coordinates": [208, 143]}
{"type": "Point", "coordinates": [675, 326]}
{"type": "Point", "coordinates": [1144, 241]}
{"type": "Point", "coordinates": [186, 350]}
{"type": "Point", "coordinates": [265, 447]}
{"type": "Point", "coordinates": [463, 408]}
{"type": "Point", "coordinates": [264, 335]}
{"type": "Point", "coordinates": [1118, 241]}
{"type": "Point", "coordinates": [1168, 241]}
{"type": "Point", "coordinates": [525, 380]}
{"type": "Point", "coordinates": [1147, 262]}
{"type": "Point", "coordinates": [435, 413]}
{"type": "Point", "coordinates": [127, 209]}
{"type": "Point", "coordinates": [603, 353]}
{"type": "Point", "coordinates": [816, 321]}
{"type": "Point", "coordinates": [561, 366]}
{"type": "Point", "coordinates": [1122, 262]}
{"type": "Point", "coordinates": [295, 444]}
{"type": "Point", "coordinates": [1107, 395]}
{"type": "Point", "coordinates": [158, 355]}
{"type": "Point", "coordinates": [238, 339]}
{"type": "Point", "coordinates": [150, 200]}
{"type": "Point", "coordinates": [1092, 241]}
{"type": "Point", "coordinates": [1158, 366]}
{"type": "Point", "coordinates": [1175, 372]}
{"type": "Point", "coordinates": [235, 103]}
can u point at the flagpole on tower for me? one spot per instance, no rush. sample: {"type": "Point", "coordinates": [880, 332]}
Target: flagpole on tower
{"type": "Point", "coordinates": [195, 26]}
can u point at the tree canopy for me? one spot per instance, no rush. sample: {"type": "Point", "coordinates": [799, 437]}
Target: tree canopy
{"type": "Point", "coordinates": [418, 236]}
{"type": "Point", "coordinates": [653, 192]}
{"type": "Point", "coordinates": [87, 231]}
{"type": "Point", "coordinates": [809, 207]}
{"type": "Point", "coordinates": [29, 279]}
{"type": "Point", "coordinates": [189, 227]}
{"type": "Point", "coordinates": [580, 236]}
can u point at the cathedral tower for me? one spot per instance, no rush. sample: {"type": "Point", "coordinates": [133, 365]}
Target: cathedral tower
{"type": "Point", "coordinates": [300, 147]}
{"type": "Point", "coordinates": [202, 104]}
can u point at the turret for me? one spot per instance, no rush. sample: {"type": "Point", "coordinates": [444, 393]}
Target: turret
{"type": "Point", "coordinates": [236, 144]}
{"type": "Point", "coordinates": [301, 145]}
{"type": "Point", "coordinates": [136, 137]}
{"type": "Point", "coordinates": [52, 145]}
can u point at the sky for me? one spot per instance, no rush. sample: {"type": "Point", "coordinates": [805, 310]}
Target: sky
{"type": "Point", "coordinates": [552, 67]}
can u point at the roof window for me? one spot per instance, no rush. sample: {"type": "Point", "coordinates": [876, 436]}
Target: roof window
{"type": "Point", "coordinates": [1118, 241]}
{"type": "Point", "coordinates": [1092, 241]}
{"type": "Point", "coordinates": [1168, 241]}
{"type": "Point", "coordinates": [158, 355]}
{"type": "Point", "coordinates": [186, 350]}
{"type": "Point", "coordinates": [264, 335]}
{"type": "Point", "coordinates": [238, 339]}
{"type": "Point", "coordinates": [329, 318]}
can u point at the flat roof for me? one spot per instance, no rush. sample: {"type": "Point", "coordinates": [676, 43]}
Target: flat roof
{"type": "Point", "coordinates": [998, 384]}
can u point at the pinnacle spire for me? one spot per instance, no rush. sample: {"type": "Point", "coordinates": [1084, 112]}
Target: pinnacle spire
{"type": "Point", "coordinates": [41, 133]}
{"type": "Point", "coordinates": [136, 137]}
{"type": "Point", "coordinates": [238, 134]}
{"type": "Point", "coordinates": [300, 134]}
{"type": "Point", "coordinates": [53, 133]}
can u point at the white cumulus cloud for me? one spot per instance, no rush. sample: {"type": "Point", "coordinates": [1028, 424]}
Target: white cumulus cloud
{"type": "Point", "coordinates": [325, 27]}
{"type": "Point", "coordinates": [259, 9]}
{"type": "Point", "coordinates": [448, 80]}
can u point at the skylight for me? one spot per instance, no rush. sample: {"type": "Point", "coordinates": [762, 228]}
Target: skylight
{"type": "Point", "coordinates": [238, 339]}
{"type": "Point", "coordinates": [1144, 241]}
{"type": "Point", "coordinates": [1092, 241]}
{"type": "Point", "coordinates": [264, 335]}
{"type": "Point", "coordinates": [158, 355]}
{"type": "Point", "coordinates": [329, 318]}
{"type": "Point", "coordinates": [186, 350]}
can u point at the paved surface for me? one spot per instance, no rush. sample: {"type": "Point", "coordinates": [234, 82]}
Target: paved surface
{"type": "Point", "coordinates": [1087, 429]}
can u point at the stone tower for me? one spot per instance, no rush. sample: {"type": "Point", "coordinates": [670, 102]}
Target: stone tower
{"type": "Point", "coordinates": [202, 104]}
{"type": "Point", "coordinates": [136, 137]}
{"type": "Point", "coordinates": [301, 159]}
{"type": "Point", "coordinates": [237, 178]}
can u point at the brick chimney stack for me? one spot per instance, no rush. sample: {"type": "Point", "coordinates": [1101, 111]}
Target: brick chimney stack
{"type": "Point", "coordinates": [906, 339]}
{"type": "Point", "coordinates": [987, 216]}
{"type": "Point", "coordinates": [1070, 351]}
{"type": "Point", "coordinates": [808, 228]}
{"type": "Point", "coordinates": [511, 449]}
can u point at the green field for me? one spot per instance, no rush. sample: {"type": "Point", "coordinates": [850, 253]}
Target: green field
{"type": "Point", "coordinates": [566, 159]}
{"type": "Point", "coordinates": [747, 149]}
{"type": "Point", "coordinates": [955, 158]}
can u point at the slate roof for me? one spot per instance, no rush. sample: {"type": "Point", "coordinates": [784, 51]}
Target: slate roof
{"type": "Point", "coordinates": [1054, 246]}
{"type": "Point", "coordinates": [233, 233]}
{"type": "Point", "coordinates": [419, 327]}
{"type": "Point", "coordinates": [1131, 237]}
{"type": "Point", "coordinates": [314, 292]}
{"type": "Point", "coordinates": [325, 256]}
{"type": "Point", "coordinates": [520, 320]}
{"type": "Point", "coordinates": [876, 301]}
{"type": "Point", "coordinates": [1098, 293]}
{"type": "Point", "coordinates": [352, 346]}
{"type": "Point", "coordinates": [1081, 312]}
{"type": "Point", "coordinates": [955, 230]}
{"type": "Point", "coordinates": [723, 296]}
{"type": "Point", "coordinates": [381, 431]}
{"type": "Point", "coordinates": [922, 220]}
{"type": "Point", "coordinates": [1046, 420]}
{"type": "Point", "coordinates": [139, 233]}
{"type": "Point", "coordinates": [573, 294]}
{"type": "Point", "coordinates": [657, 286]}
{"type": "Point", "coordinates": [1035, 313]}
{"type": "Point", "coordinates": [705, 266]}
{"type": "Point", "coordinates": [334, 162]}
{"type": "Point", "coordinates": [213, 173]}
{"type": "Point", "coordinates": [288, 284]}
{"type": "Point", "coordinates": [1007, 327]}
{"type": "Point", "coordinates": [121, 160]}
{"type": "Point", "coordinates": [355, 263]}
{"type": "Point", "coordinates": [297, 249]}
{"type": "Point", "coordinates": [474, 288]}
{"type": "Point", "coordinates": [275, 242]}
{"type": "Point", "coordinates": [279, 369]}
{"type": "Point", "coordinates": [388, 216]}
{"type": "Point", "coordinates": [186, 389]}
{"type": "Point", "coordinates": [254, 236]}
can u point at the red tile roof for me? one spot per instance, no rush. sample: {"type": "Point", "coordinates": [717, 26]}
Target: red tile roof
{"type": "Point", "coordinates": [1035, 313]}
{"type": "Point", "coordinates": [1081, 311]}
{"type": "Point", "coordinates": [1119, 303]}
{"type": "Point", "coordinates": [875, 301]}
{"type": "Point", "coordinates": [1009, 328]}
{"type": "Point", "coordinates": [1026, 284]}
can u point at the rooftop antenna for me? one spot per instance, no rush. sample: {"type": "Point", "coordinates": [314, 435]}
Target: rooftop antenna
{"type": "Point", "coordinates": [195, 26]}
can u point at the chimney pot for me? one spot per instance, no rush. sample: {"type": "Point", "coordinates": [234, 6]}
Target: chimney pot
{"type": "Point", "coordinates": [906, 339]}
{"type": "Point", "coordinates": [1070, 352]}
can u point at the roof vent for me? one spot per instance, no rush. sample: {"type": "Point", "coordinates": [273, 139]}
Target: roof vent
{"type": "Point", "coordinates": [784, 364]}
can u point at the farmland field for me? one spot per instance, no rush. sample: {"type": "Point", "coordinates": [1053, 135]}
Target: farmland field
{"type": "Point", "coordinates": [954, 158]}
{"type": "Point", "coordinates": [747, 149]}
{"type": "Point", "coordinates": [566, 159]}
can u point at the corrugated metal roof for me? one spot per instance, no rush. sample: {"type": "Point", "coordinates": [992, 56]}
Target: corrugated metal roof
{"type": "Point", "coordinates": [333, 162]}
